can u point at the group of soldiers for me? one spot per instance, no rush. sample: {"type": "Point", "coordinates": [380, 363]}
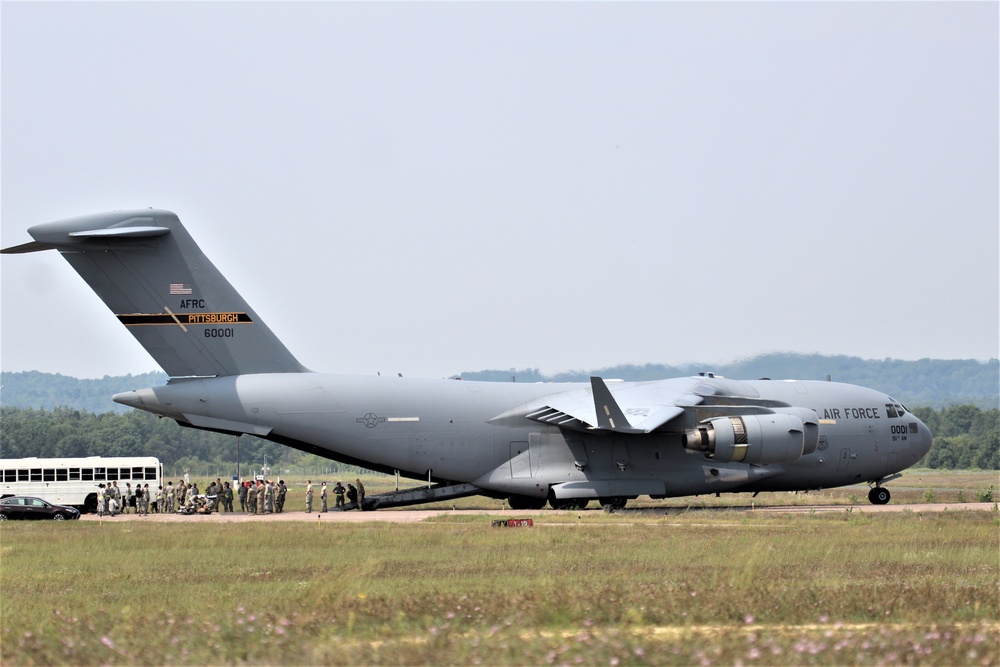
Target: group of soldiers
{"type": "Point", "coordinates": [112, 500]}
{"type": "Point", "coordinates": [354, 495]}
{"type": "Point", "coordinates": [262, 496]}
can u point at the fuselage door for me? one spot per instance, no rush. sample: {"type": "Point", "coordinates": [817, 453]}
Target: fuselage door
{"type": "Point", "coordinates": [845, 460]}
{"type": "Point", "coordinates": [520, 459]}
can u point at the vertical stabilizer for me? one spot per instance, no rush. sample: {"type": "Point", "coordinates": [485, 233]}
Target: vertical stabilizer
{"type": "Point", "coordinates": [155, 279]}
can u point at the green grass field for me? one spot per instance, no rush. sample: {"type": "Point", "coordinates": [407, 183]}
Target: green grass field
{"type": "Point", "coordinates": [697, 588]}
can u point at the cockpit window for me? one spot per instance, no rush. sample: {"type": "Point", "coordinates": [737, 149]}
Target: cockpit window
{"type": "Point", "coordinates": [890, 410]}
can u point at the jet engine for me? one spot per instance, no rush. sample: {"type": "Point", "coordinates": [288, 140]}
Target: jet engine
{"type": "Point", "coordinates": [769, 438]}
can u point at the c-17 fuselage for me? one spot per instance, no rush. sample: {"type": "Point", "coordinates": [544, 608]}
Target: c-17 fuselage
{"type": "Point", "coordinates": [531, 443]}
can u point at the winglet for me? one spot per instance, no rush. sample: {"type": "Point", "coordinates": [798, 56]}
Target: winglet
{"type": "Point", "coordinates": [609, 416]}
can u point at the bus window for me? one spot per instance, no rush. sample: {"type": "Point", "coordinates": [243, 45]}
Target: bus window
{"type": "Point", "coordinates": [88, 474]}
{"type": "Point", "coordinates": [22, 476]}
{"type": "Point", "coordinates": [74, 474]}
{"type": "Point", "coordinates": [126, 473]}
{"type": "Point", "coordinates": [49, 475]}
{"type": "Point", "coordinates": [36, 474]}
{"type": "Point", "coordinates": [99, 474]}
{"type": "Point", "coordinates": [136, 473]}
{"type": "Point", "coordinates": [10, 475]}
{"type": "Point", "coordinates": [150, 473]}
{"type": "Point", "coordinates": [62, 475]}
{"type": "Point", "coordinates": [113, 474]}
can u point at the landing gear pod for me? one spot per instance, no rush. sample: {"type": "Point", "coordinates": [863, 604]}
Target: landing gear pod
{"type": "Point", "coordinates": [771, 438]}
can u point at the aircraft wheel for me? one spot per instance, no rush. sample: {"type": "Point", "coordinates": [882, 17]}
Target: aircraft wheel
{"type": "Point", "coordinates": [525, 503]}
{"type": "Point", "coordinates": [613, 504]}
{"type": "Point", "coordinates": [879, 495]}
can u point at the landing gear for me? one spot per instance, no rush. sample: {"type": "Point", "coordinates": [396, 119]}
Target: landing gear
{"type": "Point", "coordinates": [525, 503]}
{"type": "Point", "coordinates": [879, 495]}
{"type": "Point", "coordinates": [613, 504]}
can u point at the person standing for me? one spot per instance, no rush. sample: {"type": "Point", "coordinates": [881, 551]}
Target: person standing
{"type": "Point", "coordinates": [338, 494]}
{"type": "Point", "coordinates": [282, 490]}
{"type": "Point", "coordinates": [242, 492]}
{"type": "Point", "coordinates": [361, 495]}
{"type": "Point", "coordinates": [126, 497]}
{"type": "Point", "coordinates": [227, 497]}
{"type": "Point", "coordinates": [170, 497]}
{"type": "Point", "coordinates": [309, 495]}
{"type": "Point", "coordinates": [260, 496]}
{"type": "Point", "coordinates": [116, 496]}
{"type": "Point", "coordinates": [322, 495]}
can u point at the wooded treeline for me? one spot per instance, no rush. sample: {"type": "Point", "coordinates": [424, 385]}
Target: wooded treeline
{"type": "Point", "coordinates": [965, 436]}
{"type": "Point", "coordinates": [65, 432]}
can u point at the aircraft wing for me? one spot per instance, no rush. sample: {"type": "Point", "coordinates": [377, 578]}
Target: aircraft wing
{"type": "Point", "coordinates": [612, 406]}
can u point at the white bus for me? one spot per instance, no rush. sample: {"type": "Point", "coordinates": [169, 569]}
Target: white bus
{"type": "Point", "coordinates": [75, 481]}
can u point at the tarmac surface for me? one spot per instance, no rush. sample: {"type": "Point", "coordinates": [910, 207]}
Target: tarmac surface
{"type": "Point", "coordinates": [418, 515]}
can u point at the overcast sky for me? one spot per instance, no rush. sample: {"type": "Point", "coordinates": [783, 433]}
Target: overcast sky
{"type": "Point", "coordinates": [446, 187]}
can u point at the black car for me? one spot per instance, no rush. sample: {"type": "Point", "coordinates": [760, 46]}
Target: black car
{"type": "Point", "coordinates": [25, 507]}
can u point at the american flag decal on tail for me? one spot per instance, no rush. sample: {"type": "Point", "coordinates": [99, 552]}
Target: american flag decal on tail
{"type": "Point", "coordinates": [180, 288]}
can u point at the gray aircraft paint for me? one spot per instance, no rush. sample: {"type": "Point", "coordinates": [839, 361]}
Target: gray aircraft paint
{"type": "Point", "coordinates": [604, 440]}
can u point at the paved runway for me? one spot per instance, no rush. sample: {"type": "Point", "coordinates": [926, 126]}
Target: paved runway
{"type": "Point", "coordinates": [417, 515]}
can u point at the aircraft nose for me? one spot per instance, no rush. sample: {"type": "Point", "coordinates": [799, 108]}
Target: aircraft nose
{"type": "Point", "coordinates": [923, 439]}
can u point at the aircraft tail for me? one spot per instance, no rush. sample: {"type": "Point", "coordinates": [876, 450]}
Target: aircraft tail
{"type": "Point", "coordinates": [153, 276]}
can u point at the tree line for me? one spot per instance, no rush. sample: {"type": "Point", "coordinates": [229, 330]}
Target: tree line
{"type": "Point", "coordinates": [965, 436]}
{"type": "Point", "coordinates": [65, 432]}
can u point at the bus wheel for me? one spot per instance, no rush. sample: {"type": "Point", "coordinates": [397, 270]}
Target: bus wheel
{"type": "Point", "coordinates": [90, 504]}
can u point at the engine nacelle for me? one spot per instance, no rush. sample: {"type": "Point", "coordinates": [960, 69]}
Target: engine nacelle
{"type": "Point", "coordinates": [770, 438]}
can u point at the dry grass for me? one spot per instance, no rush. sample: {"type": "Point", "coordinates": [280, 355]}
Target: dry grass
{"type": "Point", "coordinates": [637, 589]}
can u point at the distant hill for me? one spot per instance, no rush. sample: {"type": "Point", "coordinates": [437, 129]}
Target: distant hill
{"type": "Point", "coordinates": [33, 389]}
{"type": "Point", "coordinates": [933, 383]}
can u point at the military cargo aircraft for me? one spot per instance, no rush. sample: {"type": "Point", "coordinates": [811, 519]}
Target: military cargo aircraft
{"type": "Point", "coordinates": [562, 443]}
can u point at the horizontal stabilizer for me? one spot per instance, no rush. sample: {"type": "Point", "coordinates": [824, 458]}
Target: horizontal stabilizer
{"type": "Point", "coordinates": [122, 232]}
{"type": "Point", "coordinates": [30, 246]}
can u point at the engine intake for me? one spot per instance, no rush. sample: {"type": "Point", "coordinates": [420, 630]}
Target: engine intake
{"type": "Point", "coordinates": [771, 438]}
